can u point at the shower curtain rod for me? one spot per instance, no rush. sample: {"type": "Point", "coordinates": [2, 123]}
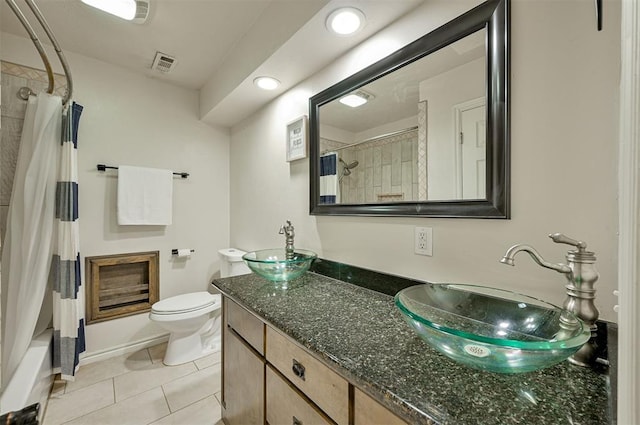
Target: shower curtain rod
{"type": "Point", "coordinates": [371, 139]}
{"type": "Point", "coordinates": [36, 41]}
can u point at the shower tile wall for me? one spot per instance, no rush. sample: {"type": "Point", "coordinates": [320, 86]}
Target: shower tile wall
{"type": "Point", "coordinates": [387, 170]}
{"type": "Point", "coordinates": [13, 108]}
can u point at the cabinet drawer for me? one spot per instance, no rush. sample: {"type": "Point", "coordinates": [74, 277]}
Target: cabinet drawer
{"type": "Point", "coordinates": [323, 386]}
{"type": "Point", "coordinates": [367, 411]}
{"type": "Point", "coordinates": [246, 325]}
{"type": "Point", "coordinates": [286, 406]}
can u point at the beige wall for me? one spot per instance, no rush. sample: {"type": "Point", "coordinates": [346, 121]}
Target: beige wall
{"type": "Point", "coordinates": [441, 94]}
{"type": "Point", "coordinates": [564, 97]}
{"type": "Point", "coordinates": [135, 120]}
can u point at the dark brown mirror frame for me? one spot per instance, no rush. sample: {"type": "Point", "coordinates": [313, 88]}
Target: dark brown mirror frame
{"type": "Point", "coordinates": [492, 15]}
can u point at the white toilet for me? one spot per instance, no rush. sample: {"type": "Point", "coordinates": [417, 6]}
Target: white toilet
{"type": "Point", "coordinates": [232, 262]}
{"type": "Point", "coordinates": [193, 319]}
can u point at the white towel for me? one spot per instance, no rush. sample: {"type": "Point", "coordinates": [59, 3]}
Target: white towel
{"type": "Point", "coordinates": [144, 196]}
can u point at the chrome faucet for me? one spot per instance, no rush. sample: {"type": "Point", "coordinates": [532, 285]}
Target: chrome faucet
{"type": "Point", "coordinates": [287, 231]}
{"type": "Point", "coordinates": [581, 276]}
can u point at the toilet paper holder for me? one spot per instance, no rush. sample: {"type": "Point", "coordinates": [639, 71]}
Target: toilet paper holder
{"type": "Point", "coordinates": [175, 251]}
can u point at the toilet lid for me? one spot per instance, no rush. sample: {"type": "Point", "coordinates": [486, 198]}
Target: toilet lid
{"type": "Point", "coordinates": [184, 303]}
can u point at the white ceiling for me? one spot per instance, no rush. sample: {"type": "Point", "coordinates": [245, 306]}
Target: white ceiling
{"type": "Point", "coordinates": [219, 45]}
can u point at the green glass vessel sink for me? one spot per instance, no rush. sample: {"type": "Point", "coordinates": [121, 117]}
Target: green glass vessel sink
{"type": "Point", "coordinates": [273, 264]}
{"type": "Point", "coordinates": [491, 329]}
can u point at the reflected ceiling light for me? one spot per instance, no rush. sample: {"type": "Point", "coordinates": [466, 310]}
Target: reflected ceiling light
{"type": "Point", "coordinates": [125, 9]}
{"type": "Point", "coordinates": [345, 21]}
{"type": "Point", "coordinates": [131, 10]}
{"type": "Point", "coordinates": [356, 99]}
{"type": "Point", "coordinates": [266, 83]}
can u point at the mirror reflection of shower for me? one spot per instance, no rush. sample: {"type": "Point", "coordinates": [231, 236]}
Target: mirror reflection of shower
{"type": "Point", "coordinates": [346, 169]}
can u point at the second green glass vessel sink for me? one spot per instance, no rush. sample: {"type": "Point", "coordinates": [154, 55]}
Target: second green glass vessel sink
{"type": "Point", "coordinates": [491, 329]}
{"type": "Point", "coordinates": [273, 264]}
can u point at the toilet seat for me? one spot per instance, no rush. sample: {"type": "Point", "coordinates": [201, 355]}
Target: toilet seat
{"type": "Point", "coordinates": [186, 303]}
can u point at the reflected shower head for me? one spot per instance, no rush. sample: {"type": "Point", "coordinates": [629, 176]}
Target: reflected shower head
{"type": "Point", "coordinates": [354, 164]}
{"type": "Point", "coordinates": [346, 169]}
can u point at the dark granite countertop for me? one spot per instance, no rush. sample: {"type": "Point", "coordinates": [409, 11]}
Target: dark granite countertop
{"type": "Point", "coordinates": [360, 334]}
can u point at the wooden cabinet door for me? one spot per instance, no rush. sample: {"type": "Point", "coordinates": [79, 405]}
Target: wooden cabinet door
{"type": "Point", "coordinates": [243, 382]}
{"type": "Point", "coordinates": [367, 411]}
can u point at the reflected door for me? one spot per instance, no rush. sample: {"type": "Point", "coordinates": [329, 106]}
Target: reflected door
{"type": "Point", "coordinates": [473, 150]}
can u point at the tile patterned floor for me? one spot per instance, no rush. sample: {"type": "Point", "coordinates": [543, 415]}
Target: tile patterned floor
{"type": "Point", "coordinates": [137, 389]}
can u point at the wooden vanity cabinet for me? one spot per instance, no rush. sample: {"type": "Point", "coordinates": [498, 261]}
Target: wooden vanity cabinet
{"type": "Point", "coordinates": [269, 379]}
{"type": "Point", "coordinates": [243, 367]}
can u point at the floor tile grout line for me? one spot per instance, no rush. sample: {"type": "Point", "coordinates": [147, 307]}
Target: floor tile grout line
{"type": "Point", "coordinates": [190, 404]}
{"type": "Point", "coordinates": [93, 383]}
{"type": "Point", "coordinates": [105, 407]}
{"type": "Point", "coordinates": [174, 379]}
{"type": "Point", "coordinates": [149, 354]}
{"type": "Point", "coordinates": [93, 411]}
{"type": "Point", "coordinates": [196, 371]}
{"type": "Point", "coordinates": [168, 406]}
{"type": "Point", "coordinates": [164, 395]}
{"type": "Point", "coordinates": [113, 387]}
{"type": "Point", "coordinates": [206, 367]}
{"type": "Point", "coordinates": [151, 362]}
{"type": "Point", "coordinates": [113, 376]}
{"type": "Point", "coordinates": [186, 406]}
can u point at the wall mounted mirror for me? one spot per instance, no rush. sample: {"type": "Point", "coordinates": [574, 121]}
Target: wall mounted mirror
{"type": "Point", "coordinates": [422, 132]}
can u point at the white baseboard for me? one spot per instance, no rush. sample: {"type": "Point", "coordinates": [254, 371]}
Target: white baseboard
{"type": "Point", "coordinates": [122, 349]}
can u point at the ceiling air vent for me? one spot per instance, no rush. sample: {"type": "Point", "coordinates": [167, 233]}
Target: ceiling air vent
{"type": "Point", "coordinates": [142, 12]}
{"type": "Point", "coordinates": [163, 63]}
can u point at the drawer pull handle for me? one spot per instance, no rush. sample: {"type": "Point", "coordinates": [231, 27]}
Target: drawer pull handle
{"type": "Point", "coordinates": [296, 421]}
{"type": "Point", "coordinates": [298, 369]}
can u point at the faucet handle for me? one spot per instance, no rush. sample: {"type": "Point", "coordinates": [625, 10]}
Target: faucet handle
{"type": "Point", "coordinates": [287, 229]}
{"type": "Point", "coordinates": [560, 238]}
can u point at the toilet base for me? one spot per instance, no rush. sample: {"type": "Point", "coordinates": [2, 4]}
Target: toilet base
{"type": "Point", "coordinates": [184, 347]}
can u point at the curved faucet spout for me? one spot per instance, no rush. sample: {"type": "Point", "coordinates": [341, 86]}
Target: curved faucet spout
{"type": "Point", "coordinates": [509, 258]}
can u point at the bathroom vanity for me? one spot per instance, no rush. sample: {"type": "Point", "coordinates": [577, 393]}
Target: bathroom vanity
{"type": "Point", "coordinates": [326, 351]}
{"type": "Point", "coordinates": [267, 375]}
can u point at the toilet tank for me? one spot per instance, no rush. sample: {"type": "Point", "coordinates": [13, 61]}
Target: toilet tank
{"type": "Point", "coordinates": [232, 263]}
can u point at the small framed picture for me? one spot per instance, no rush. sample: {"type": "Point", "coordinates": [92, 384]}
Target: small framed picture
{"type": "Point", "coordinates": [297, 139]}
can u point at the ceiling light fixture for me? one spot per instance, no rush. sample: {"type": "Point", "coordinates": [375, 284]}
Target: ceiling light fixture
{"type": "Point", "coordinates": [136, 11]}
{"type": "Point", "coordinates": [345, 21]}
{"type": "Point", "coordinates": [266, 83]}
{"type": "Point", "coordinates": [356, 99]}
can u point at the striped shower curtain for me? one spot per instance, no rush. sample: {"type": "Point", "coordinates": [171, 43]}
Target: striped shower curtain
{"type": "Point", "coordinates": [68, 291]}
{"type": "Point", "coordinates": [329, 178]}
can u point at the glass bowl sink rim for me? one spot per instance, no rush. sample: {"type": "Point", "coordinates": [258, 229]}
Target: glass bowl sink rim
{"type": "Point", "coordinates": [306, 256]}
{"type": "Point", "coordinates": [582, 334]}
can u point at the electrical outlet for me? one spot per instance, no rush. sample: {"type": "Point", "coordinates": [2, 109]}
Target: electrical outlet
{"type": "Point", "coordinates": [423, 243]}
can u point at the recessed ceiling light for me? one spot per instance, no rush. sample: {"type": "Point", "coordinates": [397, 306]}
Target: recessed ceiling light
{"type": "Point", "coordinates": [356, 99]}
{"type": "Point", "coordinates": [345, 21]}
{"type": "Point", "coordinates": [266, 83]}
{"type": "Point", "coordinates": [136, 11]}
